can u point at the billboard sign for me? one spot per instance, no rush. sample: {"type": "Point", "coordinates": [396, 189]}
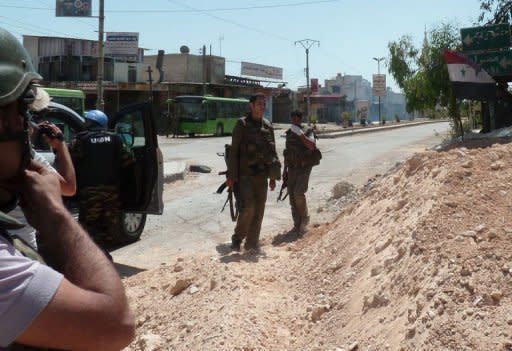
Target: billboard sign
{"type": "Point", "coordinates": [362, 109]}
{"type": "Point", "coordinates": [256, 70]}
{"type": "Point", "coordinates": [379, 85]}
{"type": "Point", "coordinates": [497, 63]}
{"type": "Point", "coordinates": [73, 8]}
{"type": "Point", "coordinates": [314, 85]}
{"type": "Point", "coordinates": [492, 37]}
{"type": "Point", "coordinates": [122, 45]}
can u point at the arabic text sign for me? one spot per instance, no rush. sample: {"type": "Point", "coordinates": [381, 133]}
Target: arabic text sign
{"type": "Point", "coordinates": [121, 44]}
{"type": "Point", "coordinates": [496, 36]}
{"type": "Point", "coordinates": [379, 85]}
{"type": "Point", "coordinates": [498, 63]}
{"type": "Point", "coordinates": [256, 70]}
{"type": "Point", "coordinates": [73, 8]}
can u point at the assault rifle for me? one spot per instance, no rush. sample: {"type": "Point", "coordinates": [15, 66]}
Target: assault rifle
{"type": "Point", "coordinates": [233, 206]}
{"type": "Point", "coordinates": [284, 186]}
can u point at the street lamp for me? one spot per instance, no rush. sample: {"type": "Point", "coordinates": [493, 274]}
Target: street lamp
{"type": "Point", "coordinates": [378, 59]}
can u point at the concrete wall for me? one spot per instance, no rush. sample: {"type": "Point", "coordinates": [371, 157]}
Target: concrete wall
{"type": "Point", "coordinates": [121, 72]}
{"type": "Point", "coordinates": [187, 68]}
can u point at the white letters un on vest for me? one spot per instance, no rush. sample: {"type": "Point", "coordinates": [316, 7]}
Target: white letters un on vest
{"type": "Point", "coordinates": [101, 140]}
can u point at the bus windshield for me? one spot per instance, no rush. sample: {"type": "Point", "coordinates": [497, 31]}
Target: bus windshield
{"type": "Point", "coordinates": [190, 109]}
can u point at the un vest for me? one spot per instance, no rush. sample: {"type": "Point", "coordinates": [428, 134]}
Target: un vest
{"type": "Point", "coordinates": [97, 158]}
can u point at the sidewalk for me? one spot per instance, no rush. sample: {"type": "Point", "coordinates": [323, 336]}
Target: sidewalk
{"type": "Point", "coordinates": [175, 170]}
{"type": "Point", "coordinates": [331, 130]}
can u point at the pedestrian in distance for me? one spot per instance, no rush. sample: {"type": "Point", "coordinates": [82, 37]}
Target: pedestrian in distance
{"type": "Point", "coordinates": [252, 161]}
{"type": "Point", "coordinates": [99, 157]}
{"type": "Point", "coordinates": [299, 159]}
{"type": "Point", "coordinates": [79, 303]}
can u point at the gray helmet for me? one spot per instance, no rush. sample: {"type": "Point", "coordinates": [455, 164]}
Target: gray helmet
{"type": "Point", "coordinates": [16, 69]}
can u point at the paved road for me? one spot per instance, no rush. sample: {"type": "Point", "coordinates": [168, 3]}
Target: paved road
{"type": "Point", "coordinates": [192, 220]}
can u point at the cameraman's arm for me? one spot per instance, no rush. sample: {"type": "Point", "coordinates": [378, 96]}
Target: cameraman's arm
{"type": "Point", "coordinates": [90, 309]}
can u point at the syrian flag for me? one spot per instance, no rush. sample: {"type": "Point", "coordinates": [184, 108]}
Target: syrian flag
{"type": "Point", "coordinates": [469, 80]}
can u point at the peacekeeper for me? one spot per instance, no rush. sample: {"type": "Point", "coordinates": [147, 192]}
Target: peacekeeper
{"type": "Point", "coordinates": [99, 157]}
{"type": "Point", "coordinates": [298, 162]}
{"type": "Point", "coordinates": [252, 160]}
{"type": "Point", "coordinates": [80, 303]}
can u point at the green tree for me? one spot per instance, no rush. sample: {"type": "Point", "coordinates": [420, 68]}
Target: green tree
{"type": "Point", "coordinates": [495, 11]}
{"type": "Point", "coordinates": [422, 73]}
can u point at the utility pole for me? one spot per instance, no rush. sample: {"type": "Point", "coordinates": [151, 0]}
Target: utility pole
{"type": "Point", "coordinates": [204, 69]}
{"type": "Point", "coordinates": [307, 44]}
{"type": "Point", "coordinates": [378, 59]}
{"type": "Point", "coordinates": [150, 80]}
{"type": "Point", "coordinates": [221, 38]}
{"type": "Point", "coordinates": [100, 104]}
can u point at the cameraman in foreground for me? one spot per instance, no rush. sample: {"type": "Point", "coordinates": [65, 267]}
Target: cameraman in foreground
{"type": "Point", "coordinates": [79, 304]}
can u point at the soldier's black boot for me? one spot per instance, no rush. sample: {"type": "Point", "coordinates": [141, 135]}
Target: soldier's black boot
{"type": "Point", "coordinates": [235, 244]}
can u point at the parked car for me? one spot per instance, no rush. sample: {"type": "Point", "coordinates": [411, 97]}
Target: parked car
{"type": "Point", "coordinates": [141, 184]}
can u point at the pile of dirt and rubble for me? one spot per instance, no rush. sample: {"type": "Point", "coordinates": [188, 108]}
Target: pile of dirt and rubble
{"type": "Point", "coordinates": [421, 261]}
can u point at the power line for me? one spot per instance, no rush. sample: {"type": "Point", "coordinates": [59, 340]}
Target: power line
{"type": "Point", "coordinates": [191, 9]}
{"type": "Point", "coordinates": [234, 23]}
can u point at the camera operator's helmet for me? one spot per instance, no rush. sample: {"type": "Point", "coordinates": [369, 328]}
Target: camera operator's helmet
{"type": "Point", "coordinates": [16, 69]}
{"type": "Point", "coordinates": [16, 77]}
{"type": "Point", "coordinates": [97, 117]}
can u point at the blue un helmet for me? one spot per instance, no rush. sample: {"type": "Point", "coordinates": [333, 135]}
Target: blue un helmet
{"type": "Point", "coordinates": [98, 117]}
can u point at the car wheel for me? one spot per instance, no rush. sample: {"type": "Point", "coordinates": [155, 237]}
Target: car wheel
{"type": "Point", "coordinates": [219, 131]}
{"type": "Point", "coordinates": [133, 225]}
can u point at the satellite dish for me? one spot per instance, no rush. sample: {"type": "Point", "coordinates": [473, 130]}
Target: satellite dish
{"type": "Point", "coordinates": [184, 49]}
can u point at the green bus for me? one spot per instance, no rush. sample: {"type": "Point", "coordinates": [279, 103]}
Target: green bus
{"type": "Point", "coordinates": [74, 99]}
{"type": "Point", "coordinates": [207, 114]}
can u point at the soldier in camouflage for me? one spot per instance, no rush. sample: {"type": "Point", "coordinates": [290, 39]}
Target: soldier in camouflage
{"type": "Point", "coordinates": [99, 157]}
{"type": "Point", "coordinates": [252, 161]}
{"type": "Point", "coordinates": [298, 163]}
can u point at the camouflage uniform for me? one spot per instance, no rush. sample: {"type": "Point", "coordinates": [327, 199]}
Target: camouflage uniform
{"type": "Point", "coordinates": [99, 156]}
{"type": "Point", "coordinates": [297, 160]}
{"type": "Point", "coordinates": [252, 160]}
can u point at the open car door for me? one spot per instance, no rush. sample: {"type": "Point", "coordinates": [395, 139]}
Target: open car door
{"type": "Point", "coordinates": [141, 182]}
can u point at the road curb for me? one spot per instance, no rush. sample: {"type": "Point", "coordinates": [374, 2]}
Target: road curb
{"type": "Point", "coordinates": [174, 170]}
{"type": "Point", "coordinates": [342, 133]}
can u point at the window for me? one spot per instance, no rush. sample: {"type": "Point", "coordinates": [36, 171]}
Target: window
{"type": "Point", "coordinates": [130, 128]}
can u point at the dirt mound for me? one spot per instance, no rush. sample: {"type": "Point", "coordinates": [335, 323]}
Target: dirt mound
{"type": "Point", "coordinates": [422, 261]}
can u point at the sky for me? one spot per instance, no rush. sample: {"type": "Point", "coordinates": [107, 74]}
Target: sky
{"type": "Point", "coordinates": [268, 32]}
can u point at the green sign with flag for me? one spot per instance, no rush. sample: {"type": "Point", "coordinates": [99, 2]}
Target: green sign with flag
{"type": "Point", "coordinates": [492, 37]}
{"type": "Point", "coordinates": [496, 63]}
{"type": "Point", "coordinates": [73, 8]}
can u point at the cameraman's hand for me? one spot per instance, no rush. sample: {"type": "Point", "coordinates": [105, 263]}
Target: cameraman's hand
{"type": "Point", "coordinates": [40, 188]}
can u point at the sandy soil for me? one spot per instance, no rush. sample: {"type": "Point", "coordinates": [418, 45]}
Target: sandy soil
{"type": "Point", "coordinates": [417, 259]}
